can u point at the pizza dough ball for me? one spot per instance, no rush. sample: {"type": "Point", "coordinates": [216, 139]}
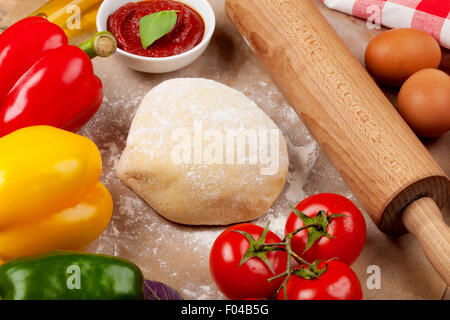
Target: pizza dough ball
{"type": "Point", "coordinates": [201, 153]}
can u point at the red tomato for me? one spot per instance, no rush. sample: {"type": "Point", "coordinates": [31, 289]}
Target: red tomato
{"type": "Point", "coordinates": [338, 282]}
{"type": "Point", "coordinates": [251, 279]}
{"type": "Point", "coordinates": [349, 232]}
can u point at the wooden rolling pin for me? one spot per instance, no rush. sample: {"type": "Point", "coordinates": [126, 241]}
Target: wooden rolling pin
{"type": "Point", "coordinates": [382, 161]}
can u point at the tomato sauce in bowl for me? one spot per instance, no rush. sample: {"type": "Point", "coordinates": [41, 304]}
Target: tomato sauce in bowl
{"type": "Point", "coordinates": [187, 33]}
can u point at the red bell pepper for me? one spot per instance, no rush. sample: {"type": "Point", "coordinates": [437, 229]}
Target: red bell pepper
{"type": "Point", "coordinates": [46, 81]}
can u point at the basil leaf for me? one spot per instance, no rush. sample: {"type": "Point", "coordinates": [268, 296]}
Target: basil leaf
{"type": "Point", "coordinates": [156, 25]}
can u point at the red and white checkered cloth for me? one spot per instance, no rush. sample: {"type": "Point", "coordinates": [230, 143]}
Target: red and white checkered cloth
{"type": "Point", "coordinates": [432, 16]}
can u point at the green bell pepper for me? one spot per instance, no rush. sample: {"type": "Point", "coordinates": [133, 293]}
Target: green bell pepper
{"type": "Point", "coordinates": [69, 275]}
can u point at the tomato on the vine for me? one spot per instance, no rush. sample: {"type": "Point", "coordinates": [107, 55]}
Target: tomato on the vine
{"type": "Point", "coordinates": [346, 234]}
{"type": "Point", "coordinates": [338, 282]}
{"type": "Point", "coordinates": [250, 280]}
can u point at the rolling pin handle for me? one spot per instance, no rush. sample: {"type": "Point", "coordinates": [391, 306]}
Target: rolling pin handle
{"type": "Point", "coordinates": [424, 219]}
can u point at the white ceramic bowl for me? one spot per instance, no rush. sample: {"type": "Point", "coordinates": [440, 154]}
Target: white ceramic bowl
{"type": "Point", "coordinates": [164, 64]}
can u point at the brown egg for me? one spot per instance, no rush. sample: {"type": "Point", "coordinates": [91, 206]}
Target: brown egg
{"type": "Point", "coordinates": [393, 56]}
{"type": "Point", "coordinates": [424, 102]}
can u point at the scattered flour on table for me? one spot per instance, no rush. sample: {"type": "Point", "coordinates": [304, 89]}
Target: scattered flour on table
{"type": "Point", "coordinates": [302, 161]}
{"type": "Point", "coordinates": [139, 234]}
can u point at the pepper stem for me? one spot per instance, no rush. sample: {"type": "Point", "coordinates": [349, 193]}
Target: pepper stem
{"type": "Point", "coordinates": [102, 44]}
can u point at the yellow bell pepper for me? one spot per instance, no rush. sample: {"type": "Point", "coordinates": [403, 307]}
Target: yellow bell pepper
{"type": "Point", "coordinates": [50, 196]}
